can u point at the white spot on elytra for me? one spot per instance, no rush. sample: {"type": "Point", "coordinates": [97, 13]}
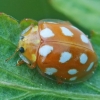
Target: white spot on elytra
{"type": "Point", "coordinates": [50, 71]}
{"type": "Point", "coordinates": [73, 78]}
{"type": "Point", "coordinates": [90, 66]}
{"type": "Point", "coordinates": [66, 31]}
{"type": "Point", "coordinates": [84, 38]}
{"type": "Point", "coordinates": [65, 56]}
{"type": "Point", "coordinates": [45, 50]}
{"type": "Point", "coordinates": [52, 22]}
{"type": "Point", "coordinates": [46, 33]}
{"type": "Point", "coordinates": [72, 71]}
{"type": "Point", "coordinates": [83, 58]}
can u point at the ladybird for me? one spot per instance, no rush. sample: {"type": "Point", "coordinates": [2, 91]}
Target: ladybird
{"type": "Point", "coordinates": [60, 50]}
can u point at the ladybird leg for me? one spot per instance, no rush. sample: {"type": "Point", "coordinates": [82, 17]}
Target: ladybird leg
{"type": "Point", "coordinates": [20, 62]}
{"type": "Point", "coordinates": [31, 65]}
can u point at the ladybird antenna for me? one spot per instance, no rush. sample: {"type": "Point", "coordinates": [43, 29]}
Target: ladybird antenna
{"type": "Point", "coordinates": [12, 55]}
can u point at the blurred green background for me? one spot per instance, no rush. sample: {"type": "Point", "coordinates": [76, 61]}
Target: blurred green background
{"type": "Point", "coordinates": [35, 9]}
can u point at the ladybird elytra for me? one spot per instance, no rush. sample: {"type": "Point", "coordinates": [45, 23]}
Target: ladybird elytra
{"type": "Point", "coordinates": [59, 49]}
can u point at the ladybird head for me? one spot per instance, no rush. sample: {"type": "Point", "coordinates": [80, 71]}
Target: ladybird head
{"type": "Point", "coordinates": [28, 44]}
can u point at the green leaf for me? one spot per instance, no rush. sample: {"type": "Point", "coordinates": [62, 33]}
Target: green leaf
{"type": "Point", "coordinates": [23, 83]}
{"type": "Point", "coordinates": [85, 13]}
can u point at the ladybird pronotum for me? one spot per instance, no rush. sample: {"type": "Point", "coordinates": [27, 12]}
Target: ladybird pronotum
{"type": "Point", "coordinates": [61, 51]}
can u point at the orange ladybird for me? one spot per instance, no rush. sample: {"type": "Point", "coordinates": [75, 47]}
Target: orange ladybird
{"type": "Point", "coordinates": [61, 51]}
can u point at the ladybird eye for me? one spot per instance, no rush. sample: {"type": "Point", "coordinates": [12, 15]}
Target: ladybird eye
{"type": "Point", "coordinates": [21, 49]}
